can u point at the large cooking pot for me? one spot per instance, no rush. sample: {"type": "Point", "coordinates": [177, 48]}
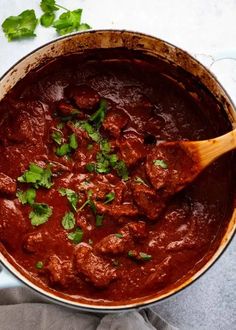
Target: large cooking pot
{"type": "Point", "coordinates": [130, 41]}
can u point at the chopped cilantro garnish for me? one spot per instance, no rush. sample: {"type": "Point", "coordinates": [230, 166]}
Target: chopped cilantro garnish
{"type": "Point", "coordinates": [63, 150]}
{"type": "Point", "coordinates": [21, 26]}
{"type": "Point", "coordinates": [47, 19]}
{"type": "Point", "coordinates": [76, 236]}
{"type": "Point", "coordinates": [57, 137]}
{"type": "Point", "coordinates": [40, 214]}
{"type": "Point", "coordinates": [99, 220]}
{"type": "Point", "coordinates": [27, 196]}
{"type": "Point", "coordinates": [109, 197]}
{"type": "Point", "coordinates": [161, 163]}
{"type": "Point", "coordinates": [68, 221]}
{"type": "Point", "coordinates": [122, 170]}
{"type": "Point", "coordinates": [98, 117]}
{"type": "Point", "coordinates": [139, 180]}
{"type": "Point", "coordinates": [102, 165]}
{"type": "Point", "coordinates": [105, 146]}
{"type": "Point", "coordinates": [71, 196]}
{"type": "Point", "coordinates": [93, 134]}
{"type": "Point", "coordinates": [38, 176]}
{"type": "Point", "coordinates": [145, 256]}
{"type": "Point", "coordinates": [131, 253]}
{"type": "Point", "coordinates": [113, 159]}
{"type": "Point", "coordinates": [60, 125]}
{"type": "Point", "coordinates": [39, 265]}
{"type": "Point", "coordinates": [90, 167]}
{"type": "Point", "coordinates": [118, 235]}
{"type": "Point", "coordinates": [89, 202]}
{"type": "Point", "coordinates": [73, 141]}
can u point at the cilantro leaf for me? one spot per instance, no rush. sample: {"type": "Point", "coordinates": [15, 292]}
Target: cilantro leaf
{"type": "Point", "coordinates": [89, 202]}
{"type": "Point", "coordinates": [118, 235]}
{"type": "Point", "coordinates": [145, 256]}
{"type": "Point", "coordinates": [98, 117]}
{"type": "Point", "coordinates": [48, 6]}
{"type": "Point", "coordinates": [109, 197]}
{"type": "Point", "coordinates": [93, 134]}
{"type": "Point", "coordinates": [63, 150]}
{"type": "Point", "coordinates": [57, 137]}
{"type": "Point", "coordinates": [99, 220]}
{"type": "Point", "coordinates": [139, 180]}
{"type": "Point", "coordinates": [39, 265]}
{"type": "Point", "coordinates": [38, 176]}
{"type": "Point", "coordinates": [105, 146]}
{"type": "Point", "coordinates": [122, 170]}
{"type": "Point", "coordinates": [68, 22]}
{"type": "Point", "coordinates": [84, 26]}
{"type": "Point", "coordinates": [40, 214]}
{"type": "Point", "coordinates": [27, 196]}
{"type": "Point", "coordinates": [161, 163]}
{"type": "Point", "coordinates": [76, 236]}
{"type": "Point", "coordinates": [21, 26]}
{"type": "Point", "coordinates": [90, 167]}
{"type": "Point", "coordinates": [102, 165]}
{"type": "Point", "coordinates": [71, 196]}
{"type": "Point", "coordinates": [73, 141]}
{"type": "Point", "coordinates": [47, 19]}
{"type": "Point", "coordinates": [68, 221]}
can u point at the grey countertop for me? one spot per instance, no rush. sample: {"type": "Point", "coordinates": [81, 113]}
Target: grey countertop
{"type": "Point", "coordinates": [205, 29]}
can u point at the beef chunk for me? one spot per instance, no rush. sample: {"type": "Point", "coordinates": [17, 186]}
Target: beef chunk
{"type": "Point", "coordinates": [169, 168]}
{"type": "Point", "coordinates": [115, 121]}
{"type": "Point", "coordinates": [117, 244]}
{"type": "Point", "coordinates": [147, 200]}
{"type": "Point", "coordinates": [159, 275]}
{"type": "Point", "coordinates": [131, 148]}
{"type": "Point", "coordinates": [96, 269]}
{"type": "Point", "coordinates": [117, 210]}
{"type": "Point", "coordinates": [65, 108]}
{"type": "Point", "coordinates": [32, 241]}
{"type": "Point", "coordinates": [60, 271]}
{"type": "Point", "coordinates": [85, 97]}
{"type": "Point", "coordinates": [7, 185]}
{"type": "Point", "coordinates": [12, 223]}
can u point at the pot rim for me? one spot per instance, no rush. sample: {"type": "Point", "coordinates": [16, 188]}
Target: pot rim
{"type": "Point", "coordinates": [146, 301]}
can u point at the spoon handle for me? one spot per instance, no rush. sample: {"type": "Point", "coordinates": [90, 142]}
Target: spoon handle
{"type": "Point", "coordinates": [209, 150]}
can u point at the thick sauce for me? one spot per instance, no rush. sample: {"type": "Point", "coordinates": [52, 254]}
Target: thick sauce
{"type": "Point", "coordinates": [92, 127]}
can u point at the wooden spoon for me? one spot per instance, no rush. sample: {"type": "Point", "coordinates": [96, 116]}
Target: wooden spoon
{"type": "Point", "coordinates": [172, 165]}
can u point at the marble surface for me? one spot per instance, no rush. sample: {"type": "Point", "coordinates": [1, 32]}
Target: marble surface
{"type": "Point", "coordinates": [207, 30]}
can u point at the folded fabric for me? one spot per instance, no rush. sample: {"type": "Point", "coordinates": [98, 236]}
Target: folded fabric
{"type": "Point", "coordinates": [22, 309]}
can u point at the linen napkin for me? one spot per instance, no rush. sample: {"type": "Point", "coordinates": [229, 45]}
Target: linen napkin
{"type": "Point", "coordinates": [22, 309]}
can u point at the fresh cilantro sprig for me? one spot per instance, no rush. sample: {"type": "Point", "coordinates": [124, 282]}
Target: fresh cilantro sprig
{"type": "Point", "coordinates": [40, 213]}
{"type": "Point", "coordinates": [76, 236]}
{"type": "Point", "coordinates": [21, 26]}
{"type": "Point", "coordinates": [26, 197]}
{"type": "Point", "coordinates": [71, 196]}
{"type": "Point", "coordinates": [68, 221]}
{"type": "Point", "coordinates": [67, 148]}
{"type": "Point", "coordinates": [109, 197]}
{"type": "Point", "coordinates": [37, 176]}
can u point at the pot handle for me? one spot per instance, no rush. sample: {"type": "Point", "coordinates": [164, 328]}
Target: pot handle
{"type": "Point", "coordinates": [7, 280]}
{"type": "Point", "coordinates": [215, 56]}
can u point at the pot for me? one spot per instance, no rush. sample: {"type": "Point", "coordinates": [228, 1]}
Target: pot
{"type": "Point", "coordinates": [142, 44]}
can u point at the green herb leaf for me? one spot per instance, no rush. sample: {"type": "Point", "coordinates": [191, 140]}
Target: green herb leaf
{"type": "Point", "coordinates": [109, 197]}
{"type": "Point", "coordinates": [27, 196]}
{"type": "Point", "coordinates": [73, 141]}
{"type": "Point", "coordinates": [48, 6]}
{"type": "Point", "coordinates": [145, 256]}
{"type": "Point", "coordinates": [38, 176]}
{"type": "Point", "coordinates": [90, 167]}
{"type": "Point", "coordinates": [76, 236]}
{"type": "Point", "coordinates": [63, 150]}
{"type": "Point", "coordinates": [93, 134]}
{"type": "Point", "coordinates": [99, 220]}
{"type": "Point", "coordinates": [118, 235]}
{"type": "Point", "coordinates": [113, 159]}
{"type": "Point", "coordinates": [40, 214]}
{"type": "Point", "coordinates": [68, 221]}
{"type": "Point", "coordinates": [98, 117]}
{"type": "Point", "coordinates": [47, 19]}
{"type": "Point", "coordinates": [131, 254]}
{"type": "Point", "coordinates": [57, 137]}
{"type": "Point", "coordinates": [161, 163]}
{"type": "Point", "coordinates": [21, 26]}
{"type": "Point", "coordinates": [84, 26]}
{"type": "Point", "coordinates": [105, 146]}
{"type": "Point", "coordinates": [39, 265]}
{"type": "Point", "coordinates": [68, 22]}
{"type": "Point", "coordinates": [71, 196]}
{"type": "Point", "coordinates": [89, 202]}
{"type": "Point", "coordinates": [139, 180]}
{"type": "Point", "coordinates": [122, 170]}
{"type": "Point", "coordinates": [103, 164]}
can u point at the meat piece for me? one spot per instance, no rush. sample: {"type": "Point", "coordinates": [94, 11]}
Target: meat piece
{"type": "Point", "coordinates": [132, 149]}
{"type": "Point", "coordinates": [169, 167]}
{"type": "Point", "coordinates": [65, 108]}
{"type": "Point", "coordinates": [60, 271]}
{"type": "Point", "coordinates": [115, 121]}
{"type": "Point", "coordinates": [117, 210]}
{"type": "Point", "coordinates": [159, 275]}
{"type": "Point", "coordinates": [147, 200]}
{"type": "Point", "coordinates": [12, 224]}
{"type": "Point", "coordinates": [85, 97]}
{"type": "Point", "coordinates": [7, 185]}
{"type": "Point", "coordinates": [32, 241]}
{"type": "Point", "coordinates": [96, 269]}
{"type": "Point", "coordinates": [116, 244]}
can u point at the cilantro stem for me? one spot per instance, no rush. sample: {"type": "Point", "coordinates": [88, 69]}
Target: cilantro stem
{"type": "Point", "coordinates": [59, 6]}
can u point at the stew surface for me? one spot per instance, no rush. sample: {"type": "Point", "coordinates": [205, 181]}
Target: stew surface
{"type": "Point", "coordinates": [84, 208]}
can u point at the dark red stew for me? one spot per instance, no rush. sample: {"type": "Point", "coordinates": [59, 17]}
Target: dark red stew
{"type": "Point", "coordinates": [84, 206]}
